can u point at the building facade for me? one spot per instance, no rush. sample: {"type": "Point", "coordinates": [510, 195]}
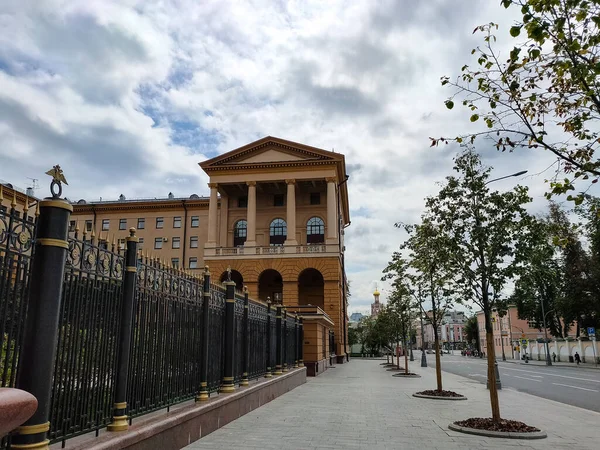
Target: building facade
{"type": "Point", "coordinates": [452, 334]}
{"type": "Point", "coordinates": [276, 216]}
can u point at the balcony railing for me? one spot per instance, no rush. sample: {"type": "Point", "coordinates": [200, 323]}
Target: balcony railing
{"type": "Point", "coordinates": [273, 250]}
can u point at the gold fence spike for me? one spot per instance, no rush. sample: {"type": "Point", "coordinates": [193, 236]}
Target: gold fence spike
{"type": "Point", "coordinates": [14, 201]}
{"type": "Point", "coordinates": [1, 193]}
{"type": "Point", "coordinates": [37, 209]}
{"type": "Point", "coordinates": [77, 225]}
{"type": "Point", "coordinates": [26, 206]}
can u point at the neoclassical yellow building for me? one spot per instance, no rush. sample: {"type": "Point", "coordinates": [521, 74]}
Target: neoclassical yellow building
{"type": "Point", "coordinates": [276, 215]}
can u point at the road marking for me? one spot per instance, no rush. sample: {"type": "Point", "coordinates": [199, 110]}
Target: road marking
{"type": "Point", "coordinates": [477, 375]}
{"type": "Point", "coordinates": [528, 379]}
{"type": "Point", "coordinates": [552, 375]}
{"type": "Point", "coordinates": [576, 387]}
{"type": "Point", "coordinates": [536, 376]}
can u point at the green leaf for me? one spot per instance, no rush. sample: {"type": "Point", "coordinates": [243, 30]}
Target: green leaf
{"type": "Point", "coordinates": [474, 118]}
{"type": "Point", "coordinates": [449, 104]}
{"type": "Point", "coordinates": [515, 31]}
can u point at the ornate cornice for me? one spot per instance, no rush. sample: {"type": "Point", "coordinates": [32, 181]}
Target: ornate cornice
{"type": "Point", "coordinates": [271, 165]}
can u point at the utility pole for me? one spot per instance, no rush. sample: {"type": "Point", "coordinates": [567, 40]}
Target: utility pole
{"type": "Point", "coordinates": [548, 360]}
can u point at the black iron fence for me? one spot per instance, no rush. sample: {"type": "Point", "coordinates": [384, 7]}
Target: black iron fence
{"type": "Point", "coordinates": [132, 335]}
{"type": "Point", "coordinates": [17, 231]}
{"type": "Point", "coordinates": [84, 367]}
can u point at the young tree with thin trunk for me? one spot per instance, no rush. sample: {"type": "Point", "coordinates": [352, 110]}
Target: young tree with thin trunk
{"type": "Point", "coordinates": [544, 94]}
{"type": "Point", "coordinates": [425, 266]}
{"type": "Point", "coordinates": [482, 229]}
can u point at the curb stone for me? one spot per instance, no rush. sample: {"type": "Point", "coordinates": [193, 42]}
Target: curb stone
{"type": "Point", "coordinates": [435, 397]}
{"type": "Point", "coordinates": [499, 434]}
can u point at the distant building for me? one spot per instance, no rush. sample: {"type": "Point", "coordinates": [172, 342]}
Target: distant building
{"type": "Point", "coordinates": [376, 305]}
{"type": "Point", "coordinates": [452, 329]}
{"type": "Point", "coordinates": [355, 317]}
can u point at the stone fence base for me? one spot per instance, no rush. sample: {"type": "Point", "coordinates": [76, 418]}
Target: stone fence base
{"type": "Point", "coordinates": [176, 429]}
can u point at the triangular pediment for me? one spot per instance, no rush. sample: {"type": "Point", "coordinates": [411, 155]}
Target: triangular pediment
{"type": "Point", "coordinates": [268, 155]}
{"type": "Point", "coordinates": [270, 150]}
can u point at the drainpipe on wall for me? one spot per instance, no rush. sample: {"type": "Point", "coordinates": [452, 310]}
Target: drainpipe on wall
{"type": "Point", "coordinates": [94, 226]}
{"type": "Point", "coordinates": [185, 218]}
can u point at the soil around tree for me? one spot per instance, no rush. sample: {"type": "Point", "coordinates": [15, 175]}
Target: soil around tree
{"type": "Point", "coordinates": [395, 369]}
{"type": "Point", "coordinates": [511, 429]}
{"type": "Point", "coordinates": [442, 393]}
{"type": "Point", "coordinates": [407, 375]}
{"type": "Point", "coordinates": [507, 426]}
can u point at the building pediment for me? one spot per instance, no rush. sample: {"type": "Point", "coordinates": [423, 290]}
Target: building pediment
{"type": "Point", "coordinates": [271, 151]}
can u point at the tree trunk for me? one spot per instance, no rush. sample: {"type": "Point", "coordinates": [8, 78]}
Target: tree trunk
{"type": "Point", "coordinates": [397, 355]}
{"type": "Point", "coordinates": [438, 363]}
{"type": "Point", "coordinates": [491, 360]}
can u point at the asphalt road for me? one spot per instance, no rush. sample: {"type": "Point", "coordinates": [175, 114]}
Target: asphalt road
{"type": "Point", "coordinates": [573, 386]}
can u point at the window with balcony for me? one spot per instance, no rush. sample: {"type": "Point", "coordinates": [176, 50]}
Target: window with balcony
{"type": "Point", "coordinates": [176, 222]}
{"type": "Point", "coordinates": [240, 232]}
{"type": "Point", "coordinates": [277, 232]}
{"type": "Point", "coordinates": [158, 242]}
{"type": "Point", "coordinates": [315, 231]}
{"type": "Point", "coordinates": [122, 224]}
{"type": "Point", "coordinates": [195, 221]}
{"type": "Point", "coordinates": [141, 223]}
{"type": "Point", "coordinates": [160, 222]}
{"type": "Point", "coordinates": [176, 242]}
{"type": "Point", "coordinates": [193, 241]}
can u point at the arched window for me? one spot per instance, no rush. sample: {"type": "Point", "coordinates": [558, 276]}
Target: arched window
{"type": "Point", "coordinates": [240, 232]}
{"type": "Point", "coordinates": [278, 232]}
{"type": "Point", "coordinates": [315, 231]}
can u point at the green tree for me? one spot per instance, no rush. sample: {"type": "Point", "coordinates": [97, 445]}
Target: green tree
{"type": "Point", "coordinates": [471, 330]}
{"type": "Point", "coordinates": [482, 229]}
{"type": "Point", "coordinates": [422, 265]}
{"type": "Point", "coordinates": [540, 278]}
{"type": "Point", "coordinates": [545, 94]}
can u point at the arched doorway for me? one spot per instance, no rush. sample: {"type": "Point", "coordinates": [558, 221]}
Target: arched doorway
{"type": "Point", "coordinates": [236, 277]}
{"type": "Point", "coordinates": [311, 288]}
{"type": "Point", "coordinates": [270, 284]}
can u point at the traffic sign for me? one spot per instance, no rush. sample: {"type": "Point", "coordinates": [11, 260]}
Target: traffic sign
{"type": "Point", "coordinates": [524, 341]}
{"type": "Point", "coordinates": [591, 331]}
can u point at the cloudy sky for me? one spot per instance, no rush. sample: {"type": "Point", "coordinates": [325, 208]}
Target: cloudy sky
{"type": "Point", "coordinates": [128, 96]}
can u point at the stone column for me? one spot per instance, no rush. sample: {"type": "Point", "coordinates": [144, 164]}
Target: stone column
{"type": "Point", "coordinates": [332, 222]}
{"type": "Point", "coordinates": [291, 213]}
{"type": "Point", "coordinates": [212, 217]}
{"type": "Point", "coordinates": [251, 215]}
{"type": "Point", "coordinates": [224, 231]}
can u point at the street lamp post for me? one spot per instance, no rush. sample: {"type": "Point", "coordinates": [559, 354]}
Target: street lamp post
{"type": "Point", "coordinates": [483, 281]}
{"type": "Point", "coordinates": [423, 356]}
{"type": "Point", "coordinates": [501, 336]}
{"type": "Point", "coordinates": [548, 360]}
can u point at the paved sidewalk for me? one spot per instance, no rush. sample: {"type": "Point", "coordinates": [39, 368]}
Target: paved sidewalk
{"type": "Point", "coordinates": [361, 406]}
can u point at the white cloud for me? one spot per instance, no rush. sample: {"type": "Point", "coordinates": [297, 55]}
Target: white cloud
{"type": "Point", "coordinates": [128, 96]}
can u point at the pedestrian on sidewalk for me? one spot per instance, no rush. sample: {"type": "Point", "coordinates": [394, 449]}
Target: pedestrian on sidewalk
{"type": "Point", "coordinates": [554, 356]}
{"type": "Point", "coordinates": [577, 358]}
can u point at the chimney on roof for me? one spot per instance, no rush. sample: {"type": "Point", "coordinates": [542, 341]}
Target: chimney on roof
{"type": "Point", "coordinates": [171, 195]}
{"type": "Point", "coordinates": [30, 192]}
{"type": "Point", "coordinates": [121, 198]}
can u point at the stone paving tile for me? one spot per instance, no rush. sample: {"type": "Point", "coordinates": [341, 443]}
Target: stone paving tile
{"type": "Point", "coordinates": [361, 406]}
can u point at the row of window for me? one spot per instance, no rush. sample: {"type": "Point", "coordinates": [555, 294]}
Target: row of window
{"type": "Point", "coordinates": [279, 200]}
{"type": "Point", "coordinates": [192, 262]}
{"type": "Point", "coordinates": [315, 232]}
{"type": "Point", "coordinates": [175, 242]}
{"type": "Point", "coordinates": [141, 223]}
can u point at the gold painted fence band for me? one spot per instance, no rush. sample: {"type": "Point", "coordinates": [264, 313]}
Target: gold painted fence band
{"type": "Point", "coordinates": [49, 242]}
{"type": "Point", "coordinates": [33, 429]}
